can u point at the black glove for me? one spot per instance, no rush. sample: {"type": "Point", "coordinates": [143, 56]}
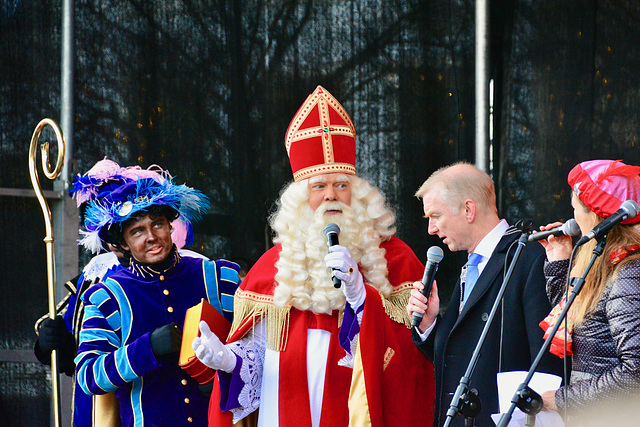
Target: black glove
{"type": "Point", "coordinates": [54, 335]}
{"type": "Point", "coordinates": [166, 340]}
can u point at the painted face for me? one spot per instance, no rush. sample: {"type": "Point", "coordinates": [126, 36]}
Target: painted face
{"type": "Point", "coordinates": [148, 239]}
{"type": "Point", "coordinates": [331, 187]}
{"type": "Point", "coordinates": [446, 222]}
{"type": "Point", "coordinates": [585, 218]}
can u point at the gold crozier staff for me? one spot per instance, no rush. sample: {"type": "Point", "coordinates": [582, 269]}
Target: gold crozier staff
{"type": "Point", "coordinates": [48, 240]}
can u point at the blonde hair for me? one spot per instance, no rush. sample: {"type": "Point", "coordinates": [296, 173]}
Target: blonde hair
{"type": "Point", "coordinates": [461, 181]}
{"type": "Point", "coordinates": [302, 277]}
{"type": "Point", "coordinates": [602, 271]}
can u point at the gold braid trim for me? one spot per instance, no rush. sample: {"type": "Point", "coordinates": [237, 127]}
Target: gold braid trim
{"type": "Point", "coordinates": [396, 304]}
{"type": "Point", "coordinates": [252, 307]}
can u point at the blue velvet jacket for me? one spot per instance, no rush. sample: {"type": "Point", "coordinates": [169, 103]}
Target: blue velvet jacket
{"type": "Point", "coordinates": [115, 348]}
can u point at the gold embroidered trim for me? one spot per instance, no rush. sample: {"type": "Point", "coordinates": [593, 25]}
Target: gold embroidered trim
{"type": "Point", "coordinates": [396, 305]}
{"type": "Point", "coordinates": [387, 357]}
{"type": "Point", "coordinates": [324, 168]}
{"type": "Point", "coordinates": [325, 101]}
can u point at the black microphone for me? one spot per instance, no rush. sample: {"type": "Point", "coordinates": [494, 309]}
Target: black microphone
{"type": "Point", "coordinates": [331, 232]}
{"type": "Point", "coordinates": [628, 209]}
{"type": "Point", "coordinates": [434, 256]}
{"type": "Point", "coordinates": [569, 228]}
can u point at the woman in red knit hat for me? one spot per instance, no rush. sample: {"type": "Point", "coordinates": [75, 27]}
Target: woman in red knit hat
{"type": "Point", "coordinates": [604, 321]}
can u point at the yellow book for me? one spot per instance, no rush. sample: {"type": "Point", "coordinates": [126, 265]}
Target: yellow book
{"type": "Point", "coordinates": [218, 324]}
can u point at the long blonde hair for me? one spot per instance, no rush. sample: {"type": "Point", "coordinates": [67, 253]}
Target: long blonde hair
{"type": "Point", "coordinates": [603, 271]}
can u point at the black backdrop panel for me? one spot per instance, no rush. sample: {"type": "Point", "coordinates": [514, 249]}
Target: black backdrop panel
{"type": "Point", "coordinates": [206, 89]}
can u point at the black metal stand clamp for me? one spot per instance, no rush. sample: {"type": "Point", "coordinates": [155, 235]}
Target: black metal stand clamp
{"type": "Point", "coordinates": [522, 397]}
{"type": "Point", "coordinates": [465, 401]}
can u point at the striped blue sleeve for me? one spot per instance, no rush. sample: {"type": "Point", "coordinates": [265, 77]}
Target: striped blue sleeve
{"type": "Point", "coordinates": [221, 278]}
{"type": "Point", "coordinates": [103, 363]}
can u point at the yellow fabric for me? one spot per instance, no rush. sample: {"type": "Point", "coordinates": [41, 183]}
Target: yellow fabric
{"type": "Point", "coordinates": [250, 420]}
{"type": "Point", "coordinates": [106, 410]}
{"type": "Point", "coordinates": [359, 415]}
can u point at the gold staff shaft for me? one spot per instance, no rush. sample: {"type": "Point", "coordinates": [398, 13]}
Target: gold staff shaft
{"type": "Point", "coordinates": [49, 239]}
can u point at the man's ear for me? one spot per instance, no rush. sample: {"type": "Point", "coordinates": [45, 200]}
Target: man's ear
{"type": "Point", "coordinates": [470, 210]}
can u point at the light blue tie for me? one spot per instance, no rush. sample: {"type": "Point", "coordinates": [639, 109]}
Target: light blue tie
{"type": "Point", "coordinates": [472, 276]}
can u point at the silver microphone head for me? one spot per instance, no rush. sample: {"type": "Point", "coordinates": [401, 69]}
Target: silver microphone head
{"type": "Point", "coordinates": [631, 208]}
{"type": "Point", "coordinates": [435, 254]}
{"type": "Point", "coordinates": [571, 228]}
{"type": "Point", "coordinates": [331, 228]}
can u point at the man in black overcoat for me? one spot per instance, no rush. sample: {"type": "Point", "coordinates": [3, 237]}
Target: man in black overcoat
{"type": "Point", "coordinates": [459, 202]}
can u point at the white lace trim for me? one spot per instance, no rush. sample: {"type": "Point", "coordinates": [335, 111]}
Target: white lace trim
{"type": "Point", "coordinates": [251, 350]}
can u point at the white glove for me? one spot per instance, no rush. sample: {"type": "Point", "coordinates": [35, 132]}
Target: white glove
{"type": "Point", "coordinates": [210, 350]}
{"type": "Point", "coordinates": [345, 268]}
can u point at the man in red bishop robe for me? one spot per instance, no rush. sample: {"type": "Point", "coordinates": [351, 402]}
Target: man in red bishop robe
{"type": "Point", "coordinates": [303, 352]}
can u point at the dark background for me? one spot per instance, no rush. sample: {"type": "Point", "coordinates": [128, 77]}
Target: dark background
{"type": "Point", "coordinates": [206, 89]}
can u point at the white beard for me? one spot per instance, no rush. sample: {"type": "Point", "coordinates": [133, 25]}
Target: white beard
{"type": "Point", "coordinates": [303, 280]}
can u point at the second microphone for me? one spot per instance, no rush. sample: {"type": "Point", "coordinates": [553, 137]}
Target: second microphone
{"type": "Point", "coordinates": [434, 256]}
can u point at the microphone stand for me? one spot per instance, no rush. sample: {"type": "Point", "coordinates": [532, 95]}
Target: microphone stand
{"type": "Point", "coordinates": [525, 397]}
{"type": "Point", "coordinates": [465, 401]}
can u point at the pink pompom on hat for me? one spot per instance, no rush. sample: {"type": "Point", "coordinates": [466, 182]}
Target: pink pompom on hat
{"type": "Point", "coordinates": [86, 187]}
{"type": "Point", "coordinates": [603, 185]}
{"type": "Point", "coordinates": [89, 186]}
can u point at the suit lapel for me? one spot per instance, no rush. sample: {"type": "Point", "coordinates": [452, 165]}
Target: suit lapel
{"type": "Point", "coordinates": [489, 274]}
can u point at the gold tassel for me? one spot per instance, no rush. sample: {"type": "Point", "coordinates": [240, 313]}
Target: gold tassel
{"type": "Point", "coordinates": [396, 305]}
{"type": "Point", "coordinates": [277, 319]}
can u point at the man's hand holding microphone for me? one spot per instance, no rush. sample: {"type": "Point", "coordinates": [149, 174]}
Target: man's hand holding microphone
{"type": "Point", "coordinates": [424, 303]}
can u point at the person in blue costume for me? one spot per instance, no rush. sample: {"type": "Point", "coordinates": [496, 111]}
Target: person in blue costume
{"type": "Point", "coordinates": [62, 333]}
{"type": "Point", "coordinates": [132, 325]}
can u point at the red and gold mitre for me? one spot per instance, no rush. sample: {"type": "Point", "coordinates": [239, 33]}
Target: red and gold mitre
{"type": "Point", "coordinates": [321, 138]}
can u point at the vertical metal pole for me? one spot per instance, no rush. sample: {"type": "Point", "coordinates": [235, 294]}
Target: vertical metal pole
{"type": "Point", "coordinates": [492, 93]}
{"type": "Point", "coordinates": [482, 84]}
{"type": "Point", "coordinates": [66, 113]}
{"type": "Point", "coordinates": [65, 213]}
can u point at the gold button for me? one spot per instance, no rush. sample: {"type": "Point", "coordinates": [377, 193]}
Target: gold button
{"type": "Point", "coordinates": [184, 382]}
{"type": "Point", "coordinates": [166, 292]}
{"type": "Point", "coordinates": [190, 419]}
{"type": "Point", "coordinates": [161, 278]}
{"type": "Point", "coordinates": [170, 309]}
{"type": "Point", "coordinates": [186, 400]}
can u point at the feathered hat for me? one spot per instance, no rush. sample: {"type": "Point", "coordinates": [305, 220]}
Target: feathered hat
{"type": "Point", "coordinates": [321, 138]}
{"type": "Point", "coordinates": [132, 197]}
{"type": "Point", "coordinates": [104, 176]}
{"type": "Point", "coordinates": [603, 185]}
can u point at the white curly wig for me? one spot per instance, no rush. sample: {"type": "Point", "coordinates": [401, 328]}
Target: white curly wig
{"type": "Point", "coordinates": [303, 279]}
